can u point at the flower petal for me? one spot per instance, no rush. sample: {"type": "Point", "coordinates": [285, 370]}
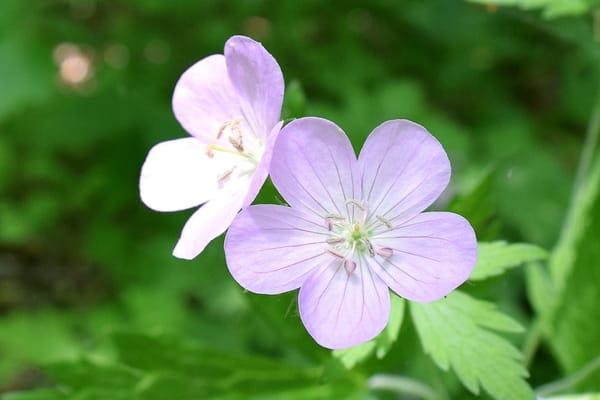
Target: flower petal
{"type": "Point", "coordinates": [204, 99]}
{"type": "Point", "coordinates": [313, 167]}
{"type": "Point", "coordinates": [341, 309]}
{"type": "Point", "coordinates": [262, 169]}
{"type": "Point", "coordinates": [208, 222]}
{"type": "Point", "coordinates": [432, 254]}
{"type": "Point", "coordinates": [404, 170]}
{"type": "Point", "coordinates": [258, 81]}
{"type": "Point", "coordinates": [272, 249]}
{"type": "Point", "coordinates": [177, 175]}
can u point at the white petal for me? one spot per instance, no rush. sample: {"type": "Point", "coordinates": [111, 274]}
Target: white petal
{"type": "Point", "coordinates": [178, 174]}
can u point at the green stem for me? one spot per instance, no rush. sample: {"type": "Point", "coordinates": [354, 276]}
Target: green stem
{"type": "Point", "coordinates": [570, 381]}
{"type": "Point", "coordinates": [586, 159]}
{"type": "Point", "coordinates": [402, 385]}
{"type": "Point", "coordinates": [532, 341]}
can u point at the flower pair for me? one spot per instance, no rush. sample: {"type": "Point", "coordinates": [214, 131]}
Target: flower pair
{"type": "Point", "coordinates": [354, 227]}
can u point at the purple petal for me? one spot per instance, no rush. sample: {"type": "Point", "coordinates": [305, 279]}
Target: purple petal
{"type": "Point", "coordinates": [313, 167]}
{"type": "Point", "coordinates": [178, 175]}
{"type": "Point", "coordinates": [211, 220]}
{"type": "Point", "coordinates": [204, 99]}
{"type": "Point", "coordinates": [341, 309]}
{"type": "Point", "coordinates": [258, 81]}
{"type": "Point", "coordinates": [272, 249]}
{"type": "Point", "coordinates": [404, 170]}
{"type": "Point", "coordinates": [262, 169]}
{"type": "Point", "coordinates": [432, 254]}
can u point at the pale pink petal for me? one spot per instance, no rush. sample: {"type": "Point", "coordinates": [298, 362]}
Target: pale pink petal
{"type": "Point", "coordinates": [313, 167]}
{"type": "Point", "coordinates": [208, 222]}
{"type": "Point", "coordinates": [177, 175]}
{"type": "Point", "coordinates": [272, 249]}
{"type": "Point", "coordinates": [341, 309]}
{"type": "Point", "coordinates": [431, 255]}
{"type": "Point", "coordinates": [262, 169]}
{"type": "Point", "coordinates": [204, 99]}
{"type": "Point", "coordinates": [404, 170]}
{"type": "Point", "coordinates": [258, 82]}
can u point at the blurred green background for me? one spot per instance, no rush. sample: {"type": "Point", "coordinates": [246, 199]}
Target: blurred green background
{"type": "Point", "coordinates": [90, 296]}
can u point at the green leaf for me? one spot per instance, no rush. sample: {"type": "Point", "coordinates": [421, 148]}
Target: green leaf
{"type": "Point", "coordinates": [550, 8]}
{"type": "Point", "coordinates": [571, 313]}
{"type": "Point", "coordinates": [40, 394]}
{"type": "Point", "coordinates": [496, 257]}
{"type": "Point", "coordinates": [85, 374]}
{"type": "Point", "coordinates": [379, 346]}
{"type": "Point", "coordinates": [453, 332]}
{"type": "Point", "coordinates": [585, 396]}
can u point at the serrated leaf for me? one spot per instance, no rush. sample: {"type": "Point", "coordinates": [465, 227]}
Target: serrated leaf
{"type": "Point", "coordinates": [381, 344]}
{"type": "Point", "coordinates": [494, 258]}
{"type": "Point", "coordinates": [453, 332]}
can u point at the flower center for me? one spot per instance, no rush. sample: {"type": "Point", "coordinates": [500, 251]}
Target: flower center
{"type": "Point", "coordinates": [246, 147]}
{"type": "Point", "coordinates": [351, 237]}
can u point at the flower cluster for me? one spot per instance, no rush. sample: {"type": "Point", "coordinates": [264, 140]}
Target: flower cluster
{"type": "Point", "coordinates": [354, 227]}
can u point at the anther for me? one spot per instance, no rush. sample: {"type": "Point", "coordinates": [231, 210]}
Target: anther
{"type": "Point", "coordinates": [355, 203]}
{"type": "Point", "coordinates": [384, 221]}
{"type": "Point", "coordinates": [334, 216]}
{"type": "Point", "coordinates": [209, 152]}
{"type": "Point", "coordinates": [236, 142]}
{"type": "Point", "coordinates": [221, 130]}
{"type": "Point", "coordinates": [225, 175]}
{"type": "Point", "coordinates": [385, 252]}
{"type": "Point", "coordinates": [350, 266]}
{"type": "Point", "coordinates": [334, 240]}
{"type": "Point", "coordinates": [336, 254]}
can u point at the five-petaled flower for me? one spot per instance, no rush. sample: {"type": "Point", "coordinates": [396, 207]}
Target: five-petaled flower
{"type": "Point", "coordinates": [231, 106]}
{"type": "Point", "coordinates": [354, 229]}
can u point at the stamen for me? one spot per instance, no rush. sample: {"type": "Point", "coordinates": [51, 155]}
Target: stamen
{"type": "Point", "coordinates": [236, 142]}
{"type": "Point", "coordinates": [363, 207]}
{"type": "Point", "coordinates": [336, 254]}
{"type": "Point", "coordinates": [356, 203]}
{"type": "Point", "coordinates": [222, 129]}
{"type": "Point", "coordinates": [350, 266]}
{"type": "Point", "coordinates": [370, 248]}
{"type": "Point", "coordinates": [335, 240]}
{"type": "Point", "coordinates": [385, 252]}
{"type": "Point", "coordinates": [233, 125]}
{"type": "Point", "coordinates": [333, 219]}
{"type": "Point", "coordinates": [224, 176]}
{"type": "Point", "coordinates": [384, 221]}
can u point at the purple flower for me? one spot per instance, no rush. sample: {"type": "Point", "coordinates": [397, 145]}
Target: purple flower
{"type": "Point", "coordinates": [354, 229]}
{"type": "Point", "coordinates": [231, 105]}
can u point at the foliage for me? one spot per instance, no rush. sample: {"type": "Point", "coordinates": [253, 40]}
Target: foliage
{"type": "Point", "coordinates": [551, 8]}
{"type": "Point", "coordinates": [455, 332]}
{"type": "Point", "coordinates": [494, 258]}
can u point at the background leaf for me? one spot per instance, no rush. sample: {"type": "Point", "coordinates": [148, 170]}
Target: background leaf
{"type": "Point", "coordinates": [496, 257]}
